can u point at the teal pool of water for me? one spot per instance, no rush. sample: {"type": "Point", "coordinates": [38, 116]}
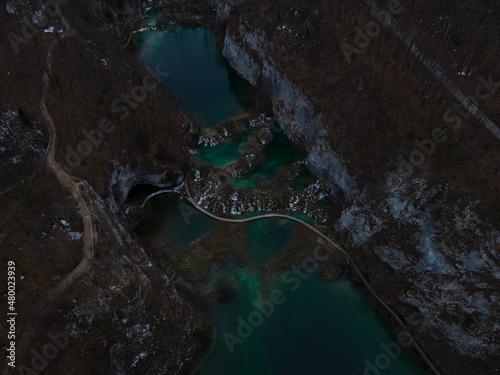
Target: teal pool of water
{"type": "Point", "coordinates": [279, 152]}
{"type": "Point", "coordinates": [209, 91]}
{"type": "Point", "coordinates": [320, 328]}
{"type": "Point", "coordinates": [267, 238]}
{"type": "Point", "coordinates": [170, 216]}
{"type": "Point", "coordinates": [225, 152]}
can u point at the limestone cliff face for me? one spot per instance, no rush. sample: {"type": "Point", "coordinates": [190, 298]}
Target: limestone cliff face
{"type": "Point", "coordinates": [421, 240]}
{"type": "Point", "coordinates": [445, 258]}
{"type": "Point", "coordinates": [250, 54]}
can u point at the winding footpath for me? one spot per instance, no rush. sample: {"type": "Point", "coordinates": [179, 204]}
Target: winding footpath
{"type": "Point", "coordinates": [350, 259]}
{"type": "Point", "coordinates": [64, 179]}
{"type": "Point", "coordinates": [67, 182]}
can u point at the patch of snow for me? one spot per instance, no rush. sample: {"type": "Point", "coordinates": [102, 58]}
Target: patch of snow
{"type": "Point", "coordinates": [361, 226]}
{"type": "Point", "coordinates": [396, 259]}
{"type": "Point", "coordinates": [197, 175]}
{"type": "Point", "coordinates": [74, 236]}
{"type": "Point", "coordinates": [146, 28]}
{"type": "Point", "coordinates": [10, 8]}
{"type": "Point", "coordinates": [37, 17]}
{"type": "Point", "coordinates": [138, 358]}
{"type": "Point", "coordinates": [432, 259]}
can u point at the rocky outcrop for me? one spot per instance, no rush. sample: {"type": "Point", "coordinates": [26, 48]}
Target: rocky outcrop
{"type": "Point", "coordinates": [124, 179]}
{"type": "Point", "coordinates": [154, 329]}
{"type": "Point", "coordinates": [22, 145]}
{"type": "Point", "coordinates": [449, 266]}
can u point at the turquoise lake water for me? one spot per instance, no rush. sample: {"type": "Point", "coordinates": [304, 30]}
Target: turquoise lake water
{"type": "Point", "coordinates": [224, 153]}
{"type": "Point", "coordinates": [170, 216]}
{"type": "Point", "coordinates": [209, 90]}
{"type": "Point", "coordinates": [321, 327]}
{"type": "Point", "coordinates": [279, 151]}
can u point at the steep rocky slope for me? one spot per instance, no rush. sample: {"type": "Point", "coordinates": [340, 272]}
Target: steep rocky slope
{"type": "Point", "coordinates": [123, 315]}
